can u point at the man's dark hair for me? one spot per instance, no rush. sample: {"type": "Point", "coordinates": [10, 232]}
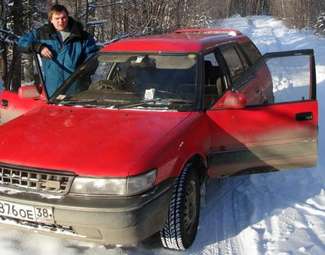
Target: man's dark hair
{"type": "Point", "coordinates": [57, 8]}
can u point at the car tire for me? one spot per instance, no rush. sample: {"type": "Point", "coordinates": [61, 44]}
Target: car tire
{"type": "Point", "coordinates": [179, 230]}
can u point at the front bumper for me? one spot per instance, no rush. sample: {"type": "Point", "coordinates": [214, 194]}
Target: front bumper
{"type": "Point", "coordinates": [107, 220]}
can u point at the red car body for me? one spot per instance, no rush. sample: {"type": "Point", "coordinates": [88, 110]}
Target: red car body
{"type": "Point", "coordinates": [243, 129]}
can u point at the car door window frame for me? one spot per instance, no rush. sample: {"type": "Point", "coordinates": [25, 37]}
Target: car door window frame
{"type": "Point", "coordinates": [235, 84]}
{"type": "Point", "coordinates": [223, 75]}
{"type": "Point", "coordinates": [293, 53]}
{"type": "Point", "coordinates": [243, 46]}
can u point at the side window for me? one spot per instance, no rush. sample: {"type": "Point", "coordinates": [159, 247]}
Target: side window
{"type": "Point", "coordinates": [214, 85]}
{"type": "Point", "coordinates": [291, 77]}
{"type": "Point", "coordinates": [24, 73]}
{"type": "Point", "coordinates": [251, 52]}
{"type": "Point", "coordinates": [29, 75]}
{"type": "Point", "coordinates": [234, 61]}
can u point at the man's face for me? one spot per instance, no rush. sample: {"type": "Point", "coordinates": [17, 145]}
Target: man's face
{"type": "Point", "coordinates": [59, 20]}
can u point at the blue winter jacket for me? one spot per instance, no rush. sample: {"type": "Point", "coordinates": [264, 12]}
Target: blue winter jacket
{"type": "Point", "coordinates": [67, 56]}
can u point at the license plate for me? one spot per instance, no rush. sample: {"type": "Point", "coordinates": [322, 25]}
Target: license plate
{"type": "Point", "coordinates": [27, 212]}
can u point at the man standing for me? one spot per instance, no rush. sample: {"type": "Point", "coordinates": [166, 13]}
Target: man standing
{"type": "Point", "coordinates": [62, 44]}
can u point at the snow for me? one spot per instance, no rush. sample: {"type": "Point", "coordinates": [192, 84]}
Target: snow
{"type": "Point", "coordinates": [273, 214]}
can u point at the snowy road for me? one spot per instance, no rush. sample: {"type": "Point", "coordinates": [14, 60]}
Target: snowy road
{"type": "Point", "coordinates": [273, 214]}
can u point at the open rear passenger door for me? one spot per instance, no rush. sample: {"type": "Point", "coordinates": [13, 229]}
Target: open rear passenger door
{"type": "Point", "coordinates": [276, 136]}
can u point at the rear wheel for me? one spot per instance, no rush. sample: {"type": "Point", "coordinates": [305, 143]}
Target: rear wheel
{"type": "Point", "coordinates": [180, 227]}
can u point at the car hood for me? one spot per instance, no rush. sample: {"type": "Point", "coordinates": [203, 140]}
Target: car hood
{"type": "Point", "coordinates": [86, 141]}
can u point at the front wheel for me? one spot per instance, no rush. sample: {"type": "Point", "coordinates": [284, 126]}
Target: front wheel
{"type": "Point", "coordinates": [180, 227]}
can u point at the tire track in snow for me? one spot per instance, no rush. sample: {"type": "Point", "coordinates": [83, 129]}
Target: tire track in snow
{"type": "Point", "coordinates": [220, 218]}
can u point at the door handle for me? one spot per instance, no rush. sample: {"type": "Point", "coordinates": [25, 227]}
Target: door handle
{"type": "Point", "coordinates": [302, 116]}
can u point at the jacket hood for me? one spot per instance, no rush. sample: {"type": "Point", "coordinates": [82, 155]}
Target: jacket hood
{"type": "Point", "coordinates": [88, 142]}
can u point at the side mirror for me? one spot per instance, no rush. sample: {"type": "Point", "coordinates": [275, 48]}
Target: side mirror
{"type": "Point", "coordinates": [231, 100]}
{"type": "Point", "coordinates": [28, 91]}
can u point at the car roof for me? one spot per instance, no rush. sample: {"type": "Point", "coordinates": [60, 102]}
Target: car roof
{"type": "Point", "coordinates": [182, 40]}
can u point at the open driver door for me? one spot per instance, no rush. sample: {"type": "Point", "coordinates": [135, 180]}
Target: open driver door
{"type": "Point", "coordinates": [269, 137]}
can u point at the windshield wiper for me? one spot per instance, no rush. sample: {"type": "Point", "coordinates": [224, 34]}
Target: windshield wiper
{"type": "Point", "coordinates": [91, 102]}
{"type": "Point", "coordinates": [152, 102]}
{"type": "Point", "coordinates": [78, 102]}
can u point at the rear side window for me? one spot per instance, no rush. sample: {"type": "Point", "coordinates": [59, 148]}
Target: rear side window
{"type": "Point", "coordinates": [234, 62]}
{"type": "Point", "coordinates": [251, 52]}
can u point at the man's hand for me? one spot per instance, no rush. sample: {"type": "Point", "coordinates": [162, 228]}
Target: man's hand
{"type": "Point", "coordinates": [46, 53]}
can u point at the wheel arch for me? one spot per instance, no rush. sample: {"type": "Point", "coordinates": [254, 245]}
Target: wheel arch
{"type": "Point", "coordinates": [199, 164]}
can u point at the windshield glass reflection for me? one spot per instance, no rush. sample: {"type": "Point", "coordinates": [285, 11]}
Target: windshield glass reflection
{"type": "Point", "coordinates": [133, 81]}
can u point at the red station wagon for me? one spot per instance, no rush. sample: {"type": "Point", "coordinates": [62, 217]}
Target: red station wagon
{"type": "Point", "coordinates": [121, 150]}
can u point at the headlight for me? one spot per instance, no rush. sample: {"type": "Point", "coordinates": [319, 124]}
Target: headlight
{"type": "Point", "coordinates": [114, 186]}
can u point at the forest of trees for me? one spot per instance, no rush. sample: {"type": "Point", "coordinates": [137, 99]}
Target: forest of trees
{"type": "Point", "coordinates": [109, 18]}
{"type": "Point", "coordinates": [125, 16]}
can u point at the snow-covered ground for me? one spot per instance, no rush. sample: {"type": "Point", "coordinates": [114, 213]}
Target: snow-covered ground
{"type": "Point", "coordinates": [273, 214]}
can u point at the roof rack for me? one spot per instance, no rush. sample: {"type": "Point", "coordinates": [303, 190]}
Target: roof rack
{"type": "Point", "coordinates": [209, 31]}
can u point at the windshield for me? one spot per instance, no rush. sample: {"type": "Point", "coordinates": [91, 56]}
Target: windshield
{"type": "Point", "coordinates": [133, 81]}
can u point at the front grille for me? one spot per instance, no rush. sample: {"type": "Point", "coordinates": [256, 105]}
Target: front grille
{"type": "Point", "coordinates": [37, 181]}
